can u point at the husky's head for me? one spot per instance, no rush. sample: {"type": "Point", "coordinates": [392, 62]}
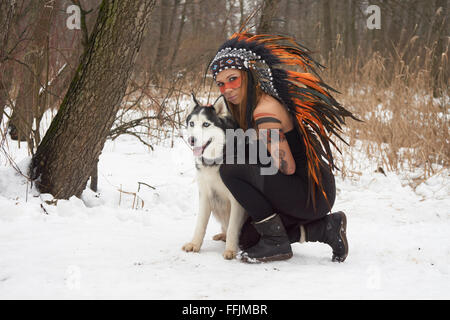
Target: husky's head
{"type": "Point", "coordinates": [206, 127]}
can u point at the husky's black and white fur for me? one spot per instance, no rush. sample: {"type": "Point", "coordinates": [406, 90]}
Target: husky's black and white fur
{"type": "Point", "coordinates": [206, 134]}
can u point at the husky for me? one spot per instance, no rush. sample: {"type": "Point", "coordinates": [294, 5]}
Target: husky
{"type": "Point", "coordinates": [206, 126]}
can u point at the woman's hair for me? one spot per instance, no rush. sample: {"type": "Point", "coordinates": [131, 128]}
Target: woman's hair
{"type": "Point", "coordinates": [239, 111]}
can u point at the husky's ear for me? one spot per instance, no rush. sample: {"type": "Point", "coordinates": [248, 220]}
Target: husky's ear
{"type": "Point", "coordinates": [221, 107]}
{"type": "Point", "coordinates": [195, 99]}
{"type": "Point", "coordinates": [192, 106]}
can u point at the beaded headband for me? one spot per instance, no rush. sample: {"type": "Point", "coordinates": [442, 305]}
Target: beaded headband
{"type": "Point", "coordinates": [244, 59]}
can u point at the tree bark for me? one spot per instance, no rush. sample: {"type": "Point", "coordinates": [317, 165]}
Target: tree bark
{"type": "Point", "coordinates": [270, 8]}
{"type": "Point", "coordinates": [69, 150]}
{"type": "Point", "coordinates": [347, 28]}
{"type": "Point", "coordinates": [287, 16]}
{"type": "Point", "coordinates": [6, 14]}
{"type": "Point", "coordinates": [179, 34]}
{"type": "Point", "coordinates": [5, 86]}
{"type": "Point", "coordinates": [94, 177]}
{"type": "Point", "coordinates": [327, 44]}
{"type": "Point", "coordinates": [354, 40]}
{"type": "Point", "coordinates": [241, 13]}
{"type": "Point", "coordinates": [163, 43]}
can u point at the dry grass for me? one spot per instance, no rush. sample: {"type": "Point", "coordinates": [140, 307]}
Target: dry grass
{"type": "Point", "coordinates": [404, 128]}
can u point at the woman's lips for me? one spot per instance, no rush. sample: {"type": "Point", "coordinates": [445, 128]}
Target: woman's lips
{"type": "Point", "coordinates": [232, 98]}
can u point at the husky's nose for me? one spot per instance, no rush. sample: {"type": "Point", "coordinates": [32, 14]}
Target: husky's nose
{"type": "Point", "coordinates": [191, 141]}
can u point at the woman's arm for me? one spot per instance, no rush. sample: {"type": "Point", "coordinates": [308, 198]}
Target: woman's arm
{"type": "Point", "coordinates": [269, 125]}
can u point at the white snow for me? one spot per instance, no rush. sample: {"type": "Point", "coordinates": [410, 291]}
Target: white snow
{"type": "Point", "coordinates": [106, 246]}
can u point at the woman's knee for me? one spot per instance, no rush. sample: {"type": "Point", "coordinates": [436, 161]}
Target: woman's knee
{"type": "Point", "coordinates": [228, 171]}
{"type": "Point", "coordinates": [243, 172]}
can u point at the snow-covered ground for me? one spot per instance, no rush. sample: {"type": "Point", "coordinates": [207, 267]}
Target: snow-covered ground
{"type": "Point", "coordinates": [115, 245]}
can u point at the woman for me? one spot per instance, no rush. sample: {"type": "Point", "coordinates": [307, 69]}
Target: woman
{"type": "Point", "coordinates": [293, 204]}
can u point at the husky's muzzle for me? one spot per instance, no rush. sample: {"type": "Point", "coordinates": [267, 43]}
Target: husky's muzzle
{"type": "Point", "coordinates": [198, 151]}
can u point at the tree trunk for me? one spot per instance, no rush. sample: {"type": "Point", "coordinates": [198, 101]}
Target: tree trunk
{"type": "Point", "coordinates": [287, 16]}
{"type": "Point", "coordinates": [173, 17]}
{"type": "Point", "coordinates": [5, 86]}
{"type": "Point", "coordinates": [6, 14]}
{"type": "Point", "coordinates": [327, 44]}
{"type": "Point", "coordinates": [377, 35]}
{"type": "Point", "coordinates": [180, 33]}
{"type": "Point", "coordinates": [163, 43]}
{"type": "Point", "coordinates": [270, 8]}
{"type": "Point", "coordinates": [439, 71]}
{"type": "Point", "coordinates": [94, 177]}
{"type": "Point", "coordinates": [354, 39]}
{"type": "Point", "coordinates": [69, 150]}
{"type": "Point", "coordinates": [241, 13]}
{"type": "Point", "coordinates": [347, 28]}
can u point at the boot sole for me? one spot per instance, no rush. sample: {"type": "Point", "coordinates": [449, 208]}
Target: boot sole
{"type": "Point", "coordinates": [278, 257]}
{"type": "Point", "coordinates": [343, 235]}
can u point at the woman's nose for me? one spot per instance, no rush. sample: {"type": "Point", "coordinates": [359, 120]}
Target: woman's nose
{"type": "Point", "coordinates": [228, 90]}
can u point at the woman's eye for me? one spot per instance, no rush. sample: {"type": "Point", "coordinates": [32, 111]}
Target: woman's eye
{"type": "Point", "coordinates": [191, 124]}
{"type": "Point", "coordinates": [232, 79]}
{"type": "Point", "coordinates": [206, 124]}
{"type": "Point", "coordinates": [219, 84]}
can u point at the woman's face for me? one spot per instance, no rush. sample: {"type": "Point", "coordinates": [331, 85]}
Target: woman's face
{"type": "Point", "coordinates": [229, 82]}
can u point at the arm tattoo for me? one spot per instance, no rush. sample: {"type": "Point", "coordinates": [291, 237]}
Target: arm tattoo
{"type": "Point", "coordinates": [283, 165]}
{"type": "Point", "coordinates": [266, 120]}
{"type": "Point", "coordinates": [267, 134]}
{"type": "Point", "coordinates": [277, 153]}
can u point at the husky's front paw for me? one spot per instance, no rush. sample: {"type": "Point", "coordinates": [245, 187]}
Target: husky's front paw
{"type": "Point", "coordinates": [229, 254]}
{"type": "Point", "coordinates": [191, 247]}
{"type": "Point", "coordinates": [220, 237]}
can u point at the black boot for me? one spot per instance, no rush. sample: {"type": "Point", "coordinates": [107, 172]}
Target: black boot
{"type": "Point", "coordinates": [331, 230]}
{"type": "Point", "coordinates": [273, 244]}
{"type": "Point", "coordinates": [249, 236]}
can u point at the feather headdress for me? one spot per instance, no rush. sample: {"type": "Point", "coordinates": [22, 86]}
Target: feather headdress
{"type": "Point", "coordinates": [272, 59]}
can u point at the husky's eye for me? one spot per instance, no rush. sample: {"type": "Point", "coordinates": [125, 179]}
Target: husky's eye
{"type": "Point", "coordinates": [206, 124]}
{"type": "Point", "coordinates": [191, 123]}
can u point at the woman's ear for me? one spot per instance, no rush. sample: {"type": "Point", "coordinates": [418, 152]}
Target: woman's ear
{"type": "Point", "coordinates": [221, 107]}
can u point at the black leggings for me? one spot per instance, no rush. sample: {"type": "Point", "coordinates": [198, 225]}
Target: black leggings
{"type": "Point", "coordinates": [263, 195]}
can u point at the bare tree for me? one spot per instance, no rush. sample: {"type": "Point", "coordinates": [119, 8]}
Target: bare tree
{"type": "Point", "coordinates": [164, 37]}
{"type": "Point", "coordinates": [6, 15]}
{"type": "Point", "coordinates": [27, 106]}
{"type": "Point", "coordinates": [67, 154]}
{"type": "Point", "coordinates": [179, 34]}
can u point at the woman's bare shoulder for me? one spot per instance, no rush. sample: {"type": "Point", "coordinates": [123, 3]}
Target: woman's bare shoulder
{"type": "Point", "coordinates": [269, 104]}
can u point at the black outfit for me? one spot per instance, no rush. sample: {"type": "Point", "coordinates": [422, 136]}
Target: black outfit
{"type": "Point", "coordinates": [263, 195]}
